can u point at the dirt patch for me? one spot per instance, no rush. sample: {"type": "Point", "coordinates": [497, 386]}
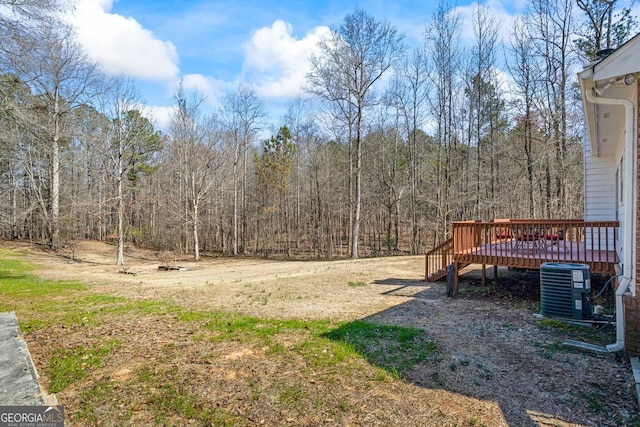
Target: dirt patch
{"type": "Point", "coordinates": [494, 365]}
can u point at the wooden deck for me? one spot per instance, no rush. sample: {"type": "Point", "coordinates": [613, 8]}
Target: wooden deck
{"type": "Point", "coordinates": [526, 244]}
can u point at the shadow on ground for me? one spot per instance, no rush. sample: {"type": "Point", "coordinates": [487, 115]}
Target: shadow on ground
{"type": "Point", "coordinates": [488, 344]}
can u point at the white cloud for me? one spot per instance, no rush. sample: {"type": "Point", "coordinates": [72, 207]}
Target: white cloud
{"type": "Point", "coordinates": [277, 62]}
{"type": "Point", "coordinates": [506, 85]}
{"type": "Point", "coordinates": [502, 18]}
{"type": "Point", "coordinates": [121, 45]}
{"type": "Point", "coordinates": [159, 115]}
{"type": "Point", "coordinates": [210, 87]}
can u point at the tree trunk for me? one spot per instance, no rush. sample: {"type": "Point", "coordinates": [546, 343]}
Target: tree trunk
{"type": "Point", "coordinates": [358, 195]}
{"type": "Point", "coordinates": [196, 244]}
{"type": "Point", "coordinates": [55, 178]}
{"type": "Point", "coordinates": [287, 224]}
{"type": "Point", "coordinates": [120, 258]}
{"type": "Point", "coordinates": [234, 243]}
{"type": "Point", "coordinates": [14, 206]}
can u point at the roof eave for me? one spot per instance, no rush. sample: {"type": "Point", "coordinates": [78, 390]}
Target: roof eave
{"type": "Point", "coordinates": [587, 83]}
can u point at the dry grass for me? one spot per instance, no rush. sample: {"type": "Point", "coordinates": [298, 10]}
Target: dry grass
{"type": "Point", "coordinates": [252, 342]}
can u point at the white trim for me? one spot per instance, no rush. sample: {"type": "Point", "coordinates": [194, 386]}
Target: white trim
{"type": "Point", "coordinates": [621, 62]}
{"type": "Point", "coordinates": [627, 281]}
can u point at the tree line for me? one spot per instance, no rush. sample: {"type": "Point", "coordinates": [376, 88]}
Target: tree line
{"type": "Point", "coordinates": [389, 145]}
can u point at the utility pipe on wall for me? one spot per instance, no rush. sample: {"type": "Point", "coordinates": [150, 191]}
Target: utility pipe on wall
{"type": "Point", "coordinates": [628, 262]}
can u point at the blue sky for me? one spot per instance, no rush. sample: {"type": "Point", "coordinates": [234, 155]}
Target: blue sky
{"type": "Point", "coordinates": [215, 45]}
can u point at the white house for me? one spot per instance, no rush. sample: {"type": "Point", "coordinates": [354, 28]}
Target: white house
{"type": "Point", "coordinates": [609, 89]}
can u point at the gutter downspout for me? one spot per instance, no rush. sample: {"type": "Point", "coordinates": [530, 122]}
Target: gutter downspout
{"type": "Point", "coordinates": [628, 277]}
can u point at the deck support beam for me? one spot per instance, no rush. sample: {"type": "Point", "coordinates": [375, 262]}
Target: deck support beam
{"type": "Point", "coordinates": [455, 278]}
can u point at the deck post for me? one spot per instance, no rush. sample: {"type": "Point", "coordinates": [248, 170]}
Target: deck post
{"type": "Point", "coordinates": [455, 279]}
{"type": "Point", "coordinates": [484, 274]}
{"type": "Point", "coordinates": [426, 267]}
{"type": "Point", "coordinates": [495, 274]}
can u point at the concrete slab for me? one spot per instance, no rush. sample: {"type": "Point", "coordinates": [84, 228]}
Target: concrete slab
{"type": "Point", "coordinates": [590, 348]}
{"type": "Point", "coordinates": [18, 376]}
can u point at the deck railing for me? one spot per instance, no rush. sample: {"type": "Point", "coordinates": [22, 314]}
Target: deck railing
{"type": "Point", "coordinates": [527, 243]}
{"type": "Point", "coordinates": [438, 260]}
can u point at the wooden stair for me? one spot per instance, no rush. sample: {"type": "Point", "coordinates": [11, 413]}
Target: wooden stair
{"type": "Point", "coordinates": [438, 260]}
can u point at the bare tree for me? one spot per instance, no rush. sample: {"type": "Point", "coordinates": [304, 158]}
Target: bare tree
{"type": "Point", "coordinates": [551, 24]}
{"type": "Point", "coordinates": [14, 105]}
{"type": "Point", "coordinates": [526, 75]}
{"type": "Point", "coordinates": [479, 73]}
{"type": "Point", "coordinates": [398, 161]}
{"type": "Point", "coordinates": [408, 94]}
{"type": "Point", "coordinates": [241, 117]}
{"type": "Point", "coordinates": [21, 22]}
{"type": "Point", "coordinates": [386, 171]}
{"type": "Point", "coordinates": [194, 144]}
{"type": "Point", "coordinates": [15, 13]}
{"type": "Point", "coordinates": [352, 59]}
{"type": "Point", "coordinates": [89, 174]}
{"type": "Point", "coordinates": [484, 106]}
{"type": "Point", "coordinates": [130, 144]}
{"type": "Point", "coordinates": [442, 37]}
{"type": "Point", "coordinates": [62, 77]}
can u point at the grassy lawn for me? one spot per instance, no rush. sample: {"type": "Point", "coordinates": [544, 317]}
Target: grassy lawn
{"type": "Point", "coordinates": [116, 361]}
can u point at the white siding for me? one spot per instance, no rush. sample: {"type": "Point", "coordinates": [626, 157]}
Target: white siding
{"type": "Point", "coordinates": [600, 195]}
{"type": "Point", "coordinates": [599, 187]}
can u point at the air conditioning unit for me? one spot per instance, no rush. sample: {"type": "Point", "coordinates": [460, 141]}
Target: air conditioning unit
{"type": "Point", "coordinates": [565, 291]}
